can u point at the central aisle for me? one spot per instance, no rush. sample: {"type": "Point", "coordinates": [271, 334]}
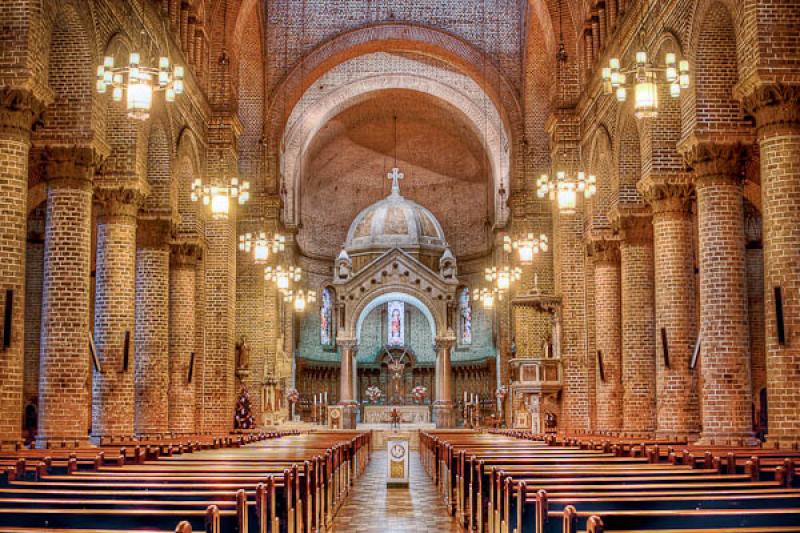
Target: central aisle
{"type": "Point", "coordinates": [371, 507]}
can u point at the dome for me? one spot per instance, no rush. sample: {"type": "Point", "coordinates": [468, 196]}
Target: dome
{"type": "Point", "coordinates": [395, 222]}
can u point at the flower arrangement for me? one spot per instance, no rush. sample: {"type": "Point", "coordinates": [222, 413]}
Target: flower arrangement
{"type": "Point", "coordinates": [419, 393]}
{"type": "Point", "coordinates": [374, 393]}
{"type": "Point", "coordinates": [501, 392]}
{"type": "Point", "coordinates": [293, 395]}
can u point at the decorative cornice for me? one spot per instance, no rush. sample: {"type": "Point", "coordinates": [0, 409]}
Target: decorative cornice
{"type": "Point", "coordinates": [20, 109]}
{"type": "Point", "coordinates": [69, 163]}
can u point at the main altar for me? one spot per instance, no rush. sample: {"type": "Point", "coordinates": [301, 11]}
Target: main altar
{"type": "Point", "coordinates": [409, 414]}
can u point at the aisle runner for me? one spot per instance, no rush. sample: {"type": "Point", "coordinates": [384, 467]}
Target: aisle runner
{"type": "Point", "coordinates": [372, 508]}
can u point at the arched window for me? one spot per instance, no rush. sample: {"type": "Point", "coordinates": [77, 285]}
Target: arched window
{"type": "Point", "coordinates": [464, 318]}
{"type": "Point", "coordinates": [326, 318]}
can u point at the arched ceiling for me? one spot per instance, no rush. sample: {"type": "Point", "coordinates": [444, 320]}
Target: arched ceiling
{"type": "Point", "coordinates": [443, 160]}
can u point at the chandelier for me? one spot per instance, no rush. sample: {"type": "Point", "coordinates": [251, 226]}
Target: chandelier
{"type": "Point", "coordinates": [503, 276]}
{"type": "Point", "coordinates": [527, 246]}
{"type": "Point", "coordinates": [136, 83]}
{"type": "Point", "coordinates": [646, 81]}
{"type": "Point", "coordinates": [283, 276]}
{"type": "Point", "coordinates": [219, 196]}
{"type": "Point", "coordinates": [565, 189]}
{"type": "Point", "coordinates": [487, 296]}
{"type": "Point", "coordinates": [261, 245]}
{"type": "Point", "coordinates": [299, 298]}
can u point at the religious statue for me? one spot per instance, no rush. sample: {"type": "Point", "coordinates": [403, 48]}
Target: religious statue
{"type": "Point", "coordinates": [343, 266]}
{"type": "Point", "coordinates": [513, 347]}
{"type": "Point", "coordinates": [242, 354]}
{"type": "Point", "coordinates": [447, 265]}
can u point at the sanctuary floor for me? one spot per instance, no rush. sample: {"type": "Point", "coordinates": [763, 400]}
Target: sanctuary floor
{"type": "Point", "coordinates": [373, 508]}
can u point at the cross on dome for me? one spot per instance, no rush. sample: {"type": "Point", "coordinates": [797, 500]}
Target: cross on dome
{"type": "Point", "coordinates": [395, 175]}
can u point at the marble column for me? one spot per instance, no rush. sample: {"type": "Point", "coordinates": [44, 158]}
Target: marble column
{"type": "Point", "coordinates": [182, 314]}
{"type": "Point", "coordinates": [724, 334]}
{"type": "Point", "coordinates": [349, 348]}
{"type": "Point", "coordinates": [152, 327]}
{"type": "Point", "coordinates": [776, 108]}
{"type": "Point", "coordinates": [638, 326]}
{"type": "Point", "coordinates": [677, 411]}
{"type": "Point", "coordinates": [64, 360]}
{"type": "Point", "coordinates": [608, 320]}
{"type": "Point", "coordinates": [19, 109]}
{"type": "Point", "coordinates": [114, 316]}
{"type": "Point", "coordinates": [443, 407]}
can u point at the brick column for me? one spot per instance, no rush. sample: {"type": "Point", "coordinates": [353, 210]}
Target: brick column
{"type": "Point", "coordinates": [443, 411]}
{"type": "Point", "coordinates": [182, 314]}
{"type": "Point", "coordinates": [114, 313]}
{"type": "Point", "coordinates": [152, 327]}
{"type": "Point", "coordinates": [638, 325]}
{"type": "Point", "coordinates": [18, 111]}
{"type": "Point", "coordinates": [677, 412]}
{"type": "Point", "coordinates": [777, 112]}
{"type": "Point", "coordinates": [64, 359]}
{"type": "Point", "coordinates": [726, 394]}
{"type": "Point", "coordinates": [349, 348]}
{"type": "Point", "coordinates": [608, 331]}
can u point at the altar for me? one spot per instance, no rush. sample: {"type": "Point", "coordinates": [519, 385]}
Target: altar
{"type": "Point", "coordinates": [409, 414]}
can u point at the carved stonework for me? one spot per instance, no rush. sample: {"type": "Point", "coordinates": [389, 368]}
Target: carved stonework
{"type": "Point", "coordinates": [20, 110]}
{"type": "Point", "coordinates": [633, 227]}
{"type": "Point", "coordinates": [121, 201]}
{"type": "Point", "coordinates": [185, 253]}
{"type": "Point", "coordinates": [774, 104]}
{"type": "Point", "coordinates": [666, 195]}
{"type": "Point", "coordinates": [444, 343]}
{"type": "Point", "coordinates": [447, 265]}
{"type": "Point", "coordinates": [716, 161]}
{"type": "Point", "coordinates": [75, 164]}
{"type": "Point", "coordinates": [604, 250]}
{"type": "Point", "coordinates": [154, 232]}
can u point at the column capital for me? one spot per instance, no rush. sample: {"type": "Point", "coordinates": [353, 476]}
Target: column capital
{"type": "Point", "coordinates": [185, 252]}
{"type": "Point", "coordinates": [716, 160]}
{"type": "Point", "coordinates": [20, 109]}
{"type": "Point", "coordinates": [773, 104]}
{"type": "Point", "coordinates": [69, 164]}
{"type": "Point", "coordinates": [347, 343]}
{"type": "Point", "coordinates": [154, 233]}
{"type": "Point", "coordinates": [633, 225]}
{"type": "Point", "coordinates": [118, 201]}
{"type": "Point", "coordinates": [444, 343]}
{"type": "Point", "coordinates": [604, 249]}
{"type": "Point", "coordinates": [667, 194]}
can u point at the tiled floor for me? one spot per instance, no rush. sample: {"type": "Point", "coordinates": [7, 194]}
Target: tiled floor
{"type": "Point", "coordinates": [373, 508]}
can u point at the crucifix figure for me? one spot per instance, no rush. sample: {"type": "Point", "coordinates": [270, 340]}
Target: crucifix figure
{"type": "Point", "coordinates": [395, 175]}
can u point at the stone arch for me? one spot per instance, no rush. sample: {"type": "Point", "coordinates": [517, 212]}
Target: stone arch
{"type": "Point", "coordinates": [72, 117]}
{"type": "Point", "coordinates": [306, 121]}
{"type": "Point", "coordinates": [709, 107]}
{"type": "Point", "coordinates": [392, 37]}
{"type": "Point", "coordinates": [186, 168]}
{"type": "Point", "coordinates": [601, 165]}
{"type": "Point", "coordinates": [251, 95]}
{"type": "Point", "coordinates": [403, 295]}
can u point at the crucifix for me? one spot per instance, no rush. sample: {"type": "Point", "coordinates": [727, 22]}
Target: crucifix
{"type": "Point", "coordinates": [395, 175]}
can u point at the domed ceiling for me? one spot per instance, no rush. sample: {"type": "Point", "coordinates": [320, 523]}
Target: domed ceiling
{"type": "Point", "coordinates": [442, 160]}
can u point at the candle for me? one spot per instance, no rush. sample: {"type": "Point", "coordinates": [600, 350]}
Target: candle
{"type": "Point", "coordinates": [465, 396]}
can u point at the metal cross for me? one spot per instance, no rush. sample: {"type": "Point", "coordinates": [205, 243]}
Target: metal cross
{"type": "Point", "coordinates": [395, 175]}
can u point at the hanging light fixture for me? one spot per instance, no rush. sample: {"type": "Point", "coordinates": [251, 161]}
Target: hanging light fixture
{"type": "Point", "coordinates": [503, 276]}
{"type": "Point", "coordinates": [564, 189]}
{"type": "Point", "coordinates": [283, 277]}
{"type": "Point", "coordinates": [299, 298]}
{"type": "Point", "coordinates": [527, 246]}
{"type": "Point", "coordinates": [646, 82]}
{"type": "Point", "coordinates": [219, 197]}
{"type": "Point", "coordinates": [487, 296]}
{"type": "Point", "coordinates": [261, 245]}
{"type": "Point", "coordinates": [135, 82]}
